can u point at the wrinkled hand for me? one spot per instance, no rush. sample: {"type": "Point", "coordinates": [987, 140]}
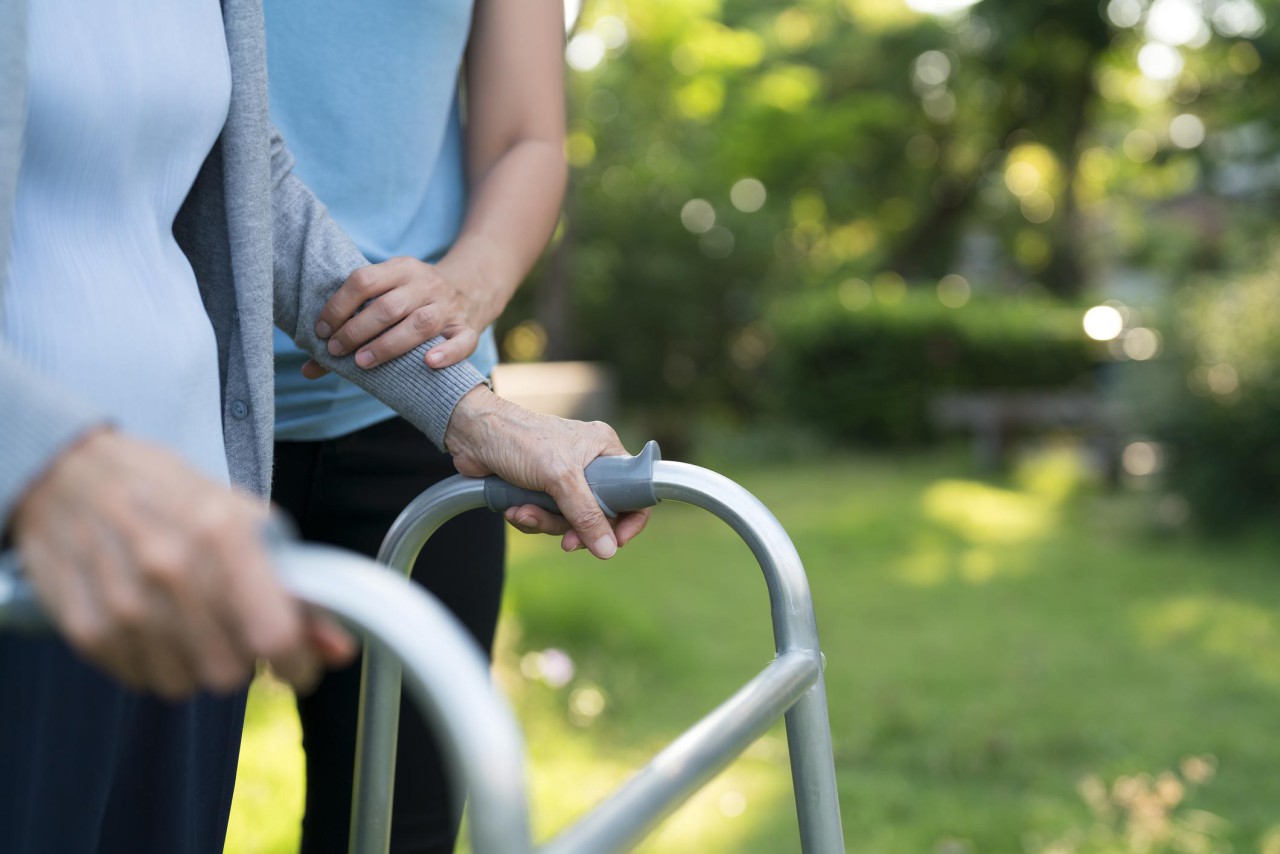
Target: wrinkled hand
{"type": "Point", "coordinates": [158, 574]}
{"type": "Point", "coordinates": [405, 302]}
{"type": "Point", "coordinates": [489, 435]}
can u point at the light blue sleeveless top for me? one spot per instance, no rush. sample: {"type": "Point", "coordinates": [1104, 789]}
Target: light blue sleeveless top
{"type": "Point", "coordinates": [125, 99]}
{"type": "Point", "coordinates": [366, 95]}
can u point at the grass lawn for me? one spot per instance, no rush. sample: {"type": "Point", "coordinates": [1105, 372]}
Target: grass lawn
{"type": "Point", "coordinates": [1008, 671]}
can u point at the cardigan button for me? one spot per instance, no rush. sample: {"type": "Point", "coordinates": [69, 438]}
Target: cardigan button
{"type": "Point", "coordinates": [239, 410]}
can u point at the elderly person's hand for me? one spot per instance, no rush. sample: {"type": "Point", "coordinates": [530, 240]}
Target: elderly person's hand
{"type": "Point", "coordinates": [159, 575]}
{"type": "Point", "coordinates": [489, 435]}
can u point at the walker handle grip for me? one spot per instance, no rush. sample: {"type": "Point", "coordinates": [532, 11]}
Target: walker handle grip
{"type": "Point", "coordinates": [20, 611]}
{"type": "Point", "coordinates": [619, 484]}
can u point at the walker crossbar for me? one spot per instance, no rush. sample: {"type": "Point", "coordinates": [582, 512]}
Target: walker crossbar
{"type": "Point", "coordinates": [793, 684]}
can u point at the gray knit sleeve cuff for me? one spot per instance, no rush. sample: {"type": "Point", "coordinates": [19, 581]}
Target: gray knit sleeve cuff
{"type": "Point", "coordinates": [424, 396]}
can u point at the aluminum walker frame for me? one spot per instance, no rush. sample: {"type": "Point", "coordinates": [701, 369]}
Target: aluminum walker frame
{"type": "Point", "coordinates": [410, 635]}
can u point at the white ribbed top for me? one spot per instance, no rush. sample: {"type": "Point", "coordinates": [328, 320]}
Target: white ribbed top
{"type": "Point", "coordinates": [126, 98]}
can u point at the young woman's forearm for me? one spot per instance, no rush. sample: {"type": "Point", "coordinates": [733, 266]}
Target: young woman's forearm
{"type": "Point", "coordinates": [515, 148]}
{"type": "Point", "coordinates": [512, 213]}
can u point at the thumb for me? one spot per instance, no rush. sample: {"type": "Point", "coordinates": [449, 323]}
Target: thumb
{"type": "Point", "coordinates": [460, 343]}
{"type": "Point", "coordinates": [579, 508]}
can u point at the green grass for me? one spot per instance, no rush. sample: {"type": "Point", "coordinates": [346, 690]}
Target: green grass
{"type": "Point", "coordinates": [1004, 667]}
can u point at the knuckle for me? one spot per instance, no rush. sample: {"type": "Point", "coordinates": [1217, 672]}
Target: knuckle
{"type": "Point", "coordinates": [389, 308]}
{"type": "Point", "coordinates": [591, 518]}
{"type": "Point", "coordinates": [362, 281]}
{"type": "Point", "coordinates": [561, 473]}
{"type": "Point", "coordinates": [226, 674]}
{"type": "Point", "coordinates": [278, 639]}
{"type": "Point", "coordinates": [165, 564]}
{"type": "Point", "coordinates": [213, 520]}
{"type": "Point", "coordinates": [423, 320]}
{"type": "Point", "coordinates": [87, 634]}
{"type": "Point", "coordinates": [127, 610]}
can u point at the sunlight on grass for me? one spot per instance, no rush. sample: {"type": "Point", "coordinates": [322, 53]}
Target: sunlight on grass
{"type": "Point", "coordinates": [1243, 633]}
{"type": "Point", "coordinates": [974, 678]}
{"type": "Point", "coordinates": [267, 808]}
{"type": "Point", "coordinates": [987, 515]}
{"type": "Point", "coordinates": [975, 531]}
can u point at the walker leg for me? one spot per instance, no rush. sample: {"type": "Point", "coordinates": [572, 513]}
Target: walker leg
{"type": "Point", "coordinates": [373, 784]}
{"type": "Point", "coordinates": [813, 773]}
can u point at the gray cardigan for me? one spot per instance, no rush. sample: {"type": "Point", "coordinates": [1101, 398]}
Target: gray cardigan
{"type": "Point", "coordinates": [252, 231]}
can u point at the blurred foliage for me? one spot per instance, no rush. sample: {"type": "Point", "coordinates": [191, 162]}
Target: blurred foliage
{"type": "Point", "coordinates": [729, 155]}
{"type": "Point", "coordinates": [1214, 401]}
{"type": "Point", "coordinates": [870, 374]}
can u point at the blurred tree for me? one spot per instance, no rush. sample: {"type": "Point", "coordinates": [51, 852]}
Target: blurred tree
{"type": "Point", "coordinates": [729, 154]}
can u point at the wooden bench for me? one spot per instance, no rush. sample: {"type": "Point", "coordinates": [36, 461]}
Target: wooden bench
{"type": "Point", "coordinates": [996, 418]}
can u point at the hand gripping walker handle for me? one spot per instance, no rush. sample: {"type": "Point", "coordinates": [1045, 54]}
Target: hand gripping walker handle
{"type": "Point", "coordinates": [618, 483]}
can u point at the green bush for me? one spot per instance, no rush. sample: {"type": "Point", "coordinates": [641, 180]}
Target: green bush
{"type": "Point", "coordinates": [870, 375]}
{"type": "Point", "coordinates": [1213, 400]}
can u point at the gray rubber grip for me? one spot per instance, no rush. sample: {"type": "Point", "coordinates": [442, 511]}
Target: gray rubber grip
{"type": "Point", "coordinates": [618, 483]}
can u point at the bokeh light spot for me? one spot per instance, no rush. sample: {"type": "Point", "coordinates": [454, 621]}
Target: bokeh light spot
{"type": "Point", "coordinates": [526, 342]}
{"type": "Point", "coordinates": [1103, 322]}
{"type": "Point", "coordinates": [698, 216]}
{"type": "Point", "coordinates": [855, 294]}
{"type": "Point", "coordinates": [717, 242]}
{"type": "Point", "coordinates": [748, 195]}
{"type": "Point", "coordinates": [1140, 459]}
{"type": "Point", "coordinates": [585, 705]}
{"type": "Point", "coordinates": [1141, 344]}
{"type": "Point", "coordinates": [953, 291]}
{"type": "Point", "coordinates": [585, 51]}
{"type": "Point", "coordinates": [1186, 131]}
{"type": "Point", "coordinates": [579, 149]}
{"type": "Point", "coordinates": [733, 804]}
{"type": "Point", "coordinates": [1140, 145]}
{"type": "Point", "coordinates": [1160, 61]}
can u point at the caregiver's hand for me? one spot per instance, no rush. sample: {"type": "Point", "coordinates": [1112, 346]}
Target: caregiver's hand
{"type": "Point", "coordinates": [489, 435]}
{"type": "Point", "coordinates": [385, 310]}
{"type": "Point", "coordinates": [158, 574]}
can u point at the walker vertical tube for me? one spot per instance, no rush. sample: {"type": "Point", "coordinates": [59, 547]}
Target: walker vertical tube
{"type": "Point", "coordinates": [378, 721]}
{"type": "Point", "coordinates": [794, 627]}
{"type": "Point", "coordinates": [619, 483]}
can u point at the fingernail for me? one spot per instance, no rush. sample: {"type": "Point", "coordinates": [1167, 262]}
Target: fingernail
{"type": "Point", "coordinates": [322, 329]}
{"type": "Point", "coordinates": [335, 348]}
{"type": "Point", "coordinates": [435, 358]}
{"type": "Point", "coordinates": [566, 547]}
{"type": "Point", "coordinates": [605, 547]}
{"type": "Point", "coordinates": [364, 358]}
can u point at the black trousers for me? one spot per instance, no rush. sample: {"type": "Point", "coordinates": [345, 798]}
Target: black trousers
{"type": "Point", "coordinates": [347, 492]}
{"type": "Point", "coordinates": [87, 765]}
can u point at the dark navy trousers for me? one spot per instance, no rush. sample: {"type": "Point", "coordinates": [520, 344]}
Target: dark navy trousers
{"type": "Point", "coordinates": [87, 766]}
